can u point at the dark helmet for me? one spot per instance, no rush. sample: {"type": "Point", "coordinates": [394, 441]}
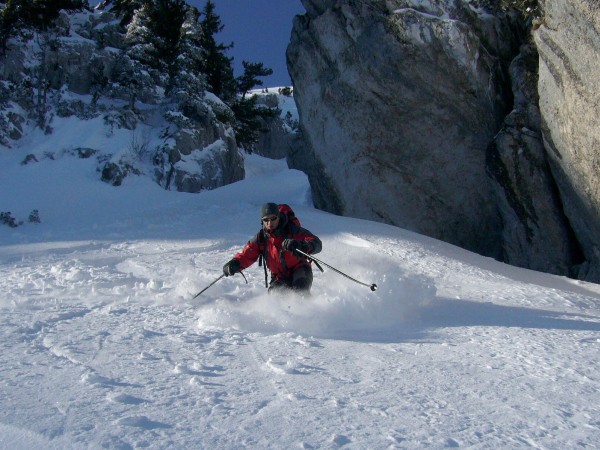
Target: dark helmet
{"type": "Point", "coordinates": [269, 209]}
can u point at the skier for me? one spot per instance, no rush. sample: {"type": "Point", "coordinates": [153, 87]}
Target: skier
{"type": "Point", "coordinates": [275, 244]}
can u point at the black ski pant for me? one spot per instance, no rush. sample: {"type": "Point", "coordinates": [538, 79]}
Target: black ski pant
{"type": "Point", "coordinates": [301, 280]}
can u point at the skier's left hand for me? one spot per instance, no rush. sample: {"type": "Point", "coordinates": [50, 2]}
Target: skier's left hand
{"type": "Point", "coordinates": [231, 268]}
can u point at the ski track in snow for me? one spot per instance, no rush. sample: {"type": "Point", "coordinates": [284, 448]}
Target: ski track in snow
{"type": "Point", "coordinates": [113, 355]}
{"type": "Point", "coordinates": [104, 348]}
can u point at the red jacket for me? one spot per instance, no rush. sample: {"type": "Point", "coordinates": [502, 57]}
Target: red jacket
{"type": "Point", "coordinates": [281, 263]}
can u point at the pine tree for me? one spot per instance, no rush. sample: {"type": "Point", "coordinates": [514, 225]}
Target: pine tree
{"type": "Point", "coordinates": [249, 119]}
{"type": "Point", "coordinates": [188, 83]}
{"type": "Point", "coordinates": [9, 18]}
{"type": "Point", "coordinates": [166, 18]}
{"type": "Point", "coordinates": [153, 36]}
{"type": "Point", "coordinates": [126, 9]}
{"type": "Point", "coordinates": [217, 66]}
{"type": "Point", "coordinates": [140, 39]}
{"type": "Point", "coordinates": [146, 66]}
{"type": "Point", "coordinates": [35, 14]}
{"type": "Point", "coordinates": [189, 48]}
{"type": "Point", "coordinates": [41, 13]}
{"type": "Point", "coordinates": [249, 79]}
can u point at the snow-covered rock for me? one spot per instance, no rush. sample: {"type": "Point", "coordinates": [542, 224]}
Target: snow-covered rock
{"type": "Point", "coordinates": [279, 132]}
{"type": "Point", "coordinates": [82, 67]}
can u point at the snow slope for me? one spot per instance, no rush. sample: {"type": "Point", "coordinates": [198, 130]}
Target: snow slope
{"type": "Point", "coordinates": [103, 347]}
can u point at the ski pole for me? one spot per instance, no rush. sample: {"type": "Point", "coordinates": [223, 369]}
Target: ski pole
{"type": "Point", "coordinates": [208, 287]}
{"type": "Point", "coordinates": [241, 273]}
{"type": "Point", "coordinates": [373, 286]}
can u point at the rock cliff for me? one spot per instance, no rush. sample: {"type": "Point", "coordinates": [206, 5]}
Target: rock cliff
{"type": "Point", "coordinates": [535, 232]}
{"type": "Point", "coordinates": [429, 115]}
{"type": "Point", "coordinates": [398, 101]}
{"type": "Point", "coordinates": [568, 41]}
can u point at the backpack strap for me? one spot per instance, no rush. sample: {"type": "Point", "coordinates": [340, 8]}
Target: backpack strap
{"type": "Point", "coordinates": [262, 258]}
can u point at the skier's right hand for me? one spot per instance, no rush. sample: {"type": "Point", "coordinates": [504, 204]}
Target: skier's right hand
{"type": "Point", "coordinates": [231, 268]}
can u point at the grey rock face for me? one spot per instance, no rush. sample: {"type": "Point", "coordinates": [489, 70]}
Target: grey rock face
{"type": "Point", "coordinates": [274, 141]}
{"type": "Point", "coordinates": [536, 234]}
{"type": "Point", "coordinates": [398, 101]}
{"type": "Point", "coordinates": [202, 163]}
{"type": "Point", "coordinates": [568, 42]}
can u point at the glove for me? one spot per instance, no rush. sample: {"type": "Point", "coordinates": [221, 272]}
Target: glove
{"type": "Point", "coordinates": [292, 245]}
{"type": "Point", "coordinates": [231, 268]}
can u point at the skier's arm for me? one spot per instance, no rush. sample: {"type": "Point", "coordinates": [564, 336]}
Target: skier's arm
{"type": "Point", "coordinates": [305, 241]}
{"type": "Point", "coordinates": [249, 253]}
{"type": "Point", "coordinates": [314, 243]}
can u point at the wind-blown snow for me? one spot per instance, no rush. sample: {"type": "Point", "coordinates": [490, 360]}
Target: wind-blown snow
{"type": "Point", "coordinates": [103, 346]}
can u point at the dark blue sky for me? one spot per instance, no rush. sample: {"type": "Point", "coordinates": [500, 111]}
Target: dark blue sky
{"type": "Point", "coordinates": [260, 31]}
